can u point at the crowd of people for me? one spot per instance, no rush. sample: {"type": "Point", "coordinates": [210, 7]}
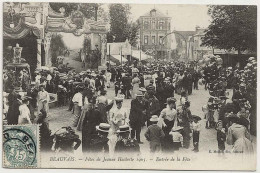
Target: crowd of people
{"type": "Point", "coordinates": [106, 126]}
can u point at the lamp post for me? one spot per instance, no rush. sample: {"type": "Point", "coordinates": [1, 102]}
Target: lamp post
{"type": "Point", "coordinates": [121, 57]}
{"type": "Point", "coordinates": [140, 51]}
{"type": "Point", "coordinates": [109, 56]}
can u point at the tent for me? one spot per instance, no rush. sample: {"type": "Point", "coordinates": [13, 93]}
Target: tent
{"type": "Point", "coordinates": [136, 54]}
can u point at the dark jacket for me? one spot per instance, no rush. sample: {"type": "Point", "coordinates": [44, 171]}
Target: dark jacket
{"type": "Point", "coordinates": [154, 133]}
{"type": "Point", "coordinates": [136, 113]}
{"type": "Point", "coordinates": [92, 118]}
{"type": "Point", "coordinates": [127, 146]}
{"type": "Point", "coordinates": [13, 112]}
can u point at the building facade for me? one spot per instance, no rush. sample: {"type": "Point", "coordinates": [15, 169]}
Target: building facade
{"type": "Point", "coordinates": [196, 50]}
{"type": "Point", "coordinates": [154, 25]}
{"type": "Point", "coordinates": [189, 44]}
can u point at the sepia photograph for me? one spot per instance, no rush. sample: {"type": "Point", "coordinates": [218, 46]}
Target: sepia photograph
{"type": "Point", "coordinates": [129, 85]}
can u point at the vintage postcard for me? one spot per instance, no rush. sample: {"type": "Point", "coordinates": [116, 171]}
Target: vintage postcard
{"type": "Point", "coordinates": [129, 86]}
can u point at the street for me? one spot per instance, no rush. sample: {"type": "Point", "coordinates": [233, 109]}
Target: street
{"type": "Point", "coordinates": [61, 117]}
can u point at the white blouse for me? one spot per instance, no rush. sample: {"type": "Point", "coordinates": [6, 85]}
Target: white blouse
{"type": "Point", "coordinates": [24, 114]}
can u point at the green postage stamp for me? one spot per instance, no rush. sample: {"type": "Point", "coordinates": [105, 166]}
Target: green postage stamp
{"type": "Point", "coordinates": [21, 146]}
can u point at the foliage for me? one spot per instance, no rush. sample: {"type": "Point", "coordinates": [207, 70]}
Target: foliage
{"type": "Point", "coordinates": [57, 47]}
{"type": "Point", "coordinates": [120, 26]}
{"type": "Point", "coordinates": [118, 22]}
{"type": "Point", "coordinates": [231, 27]}
{"type": "Point", "coordinates": [131, 32]}
{"type": "Point", "coordinates": [88, 9]}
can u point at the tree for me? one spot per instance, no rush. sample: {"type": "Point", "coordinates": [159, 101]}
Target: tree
{"type": "Point", "coordinates": [57, 47]}
{"type": "Point", "coordinates": [121, 28]}
{"type": "Point", "coordinates": [232, 26]}
{"type": "Point", "coordinates": [131, 32]}
{"type": "Point", "coordinates": [118, 23]}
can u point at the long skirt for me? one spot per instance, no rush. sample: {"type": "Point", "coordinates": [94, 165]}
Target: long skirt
{"type": "Point", "coordinates": [77, 113]}
{"type": "Point", "coordinates": [243, 145]}
{"type": "Point", "coordinates": [186, 136]}
{"type": "Point", "coordinates": [82, 117]}
{"type": "Point", "coordinates": [135, 90]}
{"type": "Point", "coordinates": [167, 141]}
{"type": "Point", "coordinates": [43, 105]}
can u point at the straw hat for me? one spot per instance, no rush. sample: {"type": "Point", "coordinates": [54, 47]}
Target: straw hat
{"type": "Point", "coordinates": [142, 89]}
{"type": "Point", "coordinates": [174, 129]}
{"type": "Point", "coordinates": [154, 118]}
{"type": "Point", "coordinates": [123, 128]}
{"type": "Point", "coordinates": [103, 127]}
{"type": "Point", "coordinates": [119, 98]}
{"type": "Point", "coordinates": [139, 94]}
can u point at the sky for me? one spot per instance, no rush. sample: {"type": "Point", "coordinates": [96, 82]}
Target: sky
{"type": "Point", "coordinates": [184, 18]}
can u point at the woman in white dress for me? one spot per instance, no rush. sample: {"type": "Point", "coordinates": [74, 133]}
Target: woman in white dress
{"type": "Point", "coordinates": [43, 100]}
{"type": "Point", "coordinates": [135, 83]}
{"type": "Point", "coordinates": [118, 117]}
{"type": "Point", "coordinates": [108, 78]}
{"type": "Point", "coordinates": [239, 137]}
{"type": "Point", "coordinates": [24, 117]}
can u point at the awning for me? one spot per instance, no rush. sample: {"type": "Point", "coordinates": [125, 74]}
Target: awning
{"type": "Point", "coordinates": [118, 57]}
{"type": "Point", "coordinates": [136, 54]}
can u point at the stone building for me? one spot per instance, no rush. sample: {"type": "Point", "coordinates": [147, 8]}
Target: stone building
{"type": "Point", "coordinates": [154, 25]}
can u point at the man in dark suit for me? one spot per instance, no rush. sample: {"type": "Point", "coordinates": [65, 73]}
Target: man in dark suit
{"type": "Point", "coordinates": [13, 111]}
{"type": "Point", "coordinates": [137, 113]}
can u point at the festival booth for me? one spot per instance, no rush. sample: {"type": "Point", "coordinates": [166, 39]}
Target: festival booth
{"type": "Point", "coordinates": [119, 53]}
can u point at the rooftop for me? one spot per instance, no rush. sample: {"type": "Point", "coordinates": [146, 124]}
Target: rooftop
{"type": "Point", "coordinates": [156, 14]}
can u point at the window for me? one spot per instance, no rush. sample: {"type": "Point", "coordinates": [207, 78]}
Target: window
{"type": "Point", "coordinates": [153, 39]}
{"type": "Point", "coordinates": [160, 40]}
{"type": "Point", "coordinates": [153, 25]}
{"type": "Point", "coordinates": [146, 25]}
{"type": "Point", "coordinates": [161, 25]}
{"type": "Point", "coordinates": [145, 39]}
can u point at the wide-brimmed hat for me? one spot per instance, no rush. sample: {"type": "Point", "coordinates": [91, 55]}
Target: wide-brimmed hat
{"type": "Point", "coordinates": [150, 87]}
{"type": "Point", "coordinates": [242, 85]}
{"type": "Point", "coordinates": [154, 118]}
{"type": "Point", "coordinates": [103, 92]}
{"type": "Point", "coordinates": [174, 129]}
{"type": "Point", "coordinates": [196, 117]}
{"type": "Point", "coordinates": [24, 98]}
{"type": "Point", "coordinates": [81, 73]}
{"type": "Point", "coordinates": [123, 128]}
{"type": "Point", "coordinates": [223, 97]}
{"type": "Point", "coordinates": [142, 89]}
{"type": "Point", "coordinates": [103, 127]}
{"type": "Point", "coordinates": [167, 79]}
{"type": "Point", "coordinates": [139, 94]}
{"type": "Point", "coordinates": [33, 83]}
{"type": "Point", "coordinates": [119, 98]}
{"type": "Point", "coordinates": [171, 100]}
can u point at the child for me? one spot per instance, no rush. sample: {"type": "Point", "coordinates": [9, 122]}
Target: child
{"type": "Point", "coordinates": [154, 134]}
{"type": "Point", "coordinates": [176, 137]}
{"type": "Point", "coordinates": [99, 141]}
{"type": "Point", "coordinates": [221, 136]}
{"type": "Point", "coordinates": [196, 132]}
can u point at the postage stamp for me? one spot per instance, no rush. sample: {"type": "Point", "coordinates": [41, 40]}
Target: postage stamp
{"type": "Point", "coordinates": [21, 146]}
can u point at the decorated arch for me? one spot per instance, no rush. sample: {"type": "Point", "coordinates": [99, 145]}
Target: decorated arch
{"type": "Point", "coordinates": [40, 20]}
